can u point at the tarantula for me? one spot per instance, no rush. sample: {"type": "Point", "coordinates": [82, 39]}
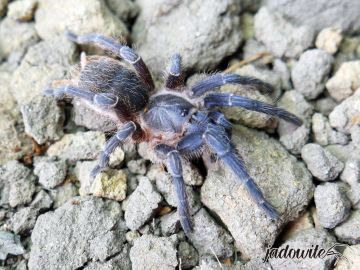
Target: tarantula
{"type": "Point", "coordinates": [176, 121]}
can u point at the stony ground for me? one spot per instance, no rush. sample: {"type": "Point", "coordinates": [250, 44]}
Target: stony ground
{"type": "Point", "coordinates": [54, 216]}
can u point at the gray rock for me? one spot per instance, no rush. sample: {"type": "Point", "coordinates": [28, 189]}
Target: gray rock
{"type": "Point", "coordinates": [296, 140]}
{"type": "Point", "coordinates": [349, 231]}
{"type": "Point", "coordinates": [169, 224]}
{"type": "Point", "coordinates": [44, 62]}
{"type": "Point", "coordinates": [151, 252]}
{"type": "Point", "coordinates": [131, 236]}
{"type": "Point", "coordinates": [141, 204]}
{"type": "Point", "coordinates": [209, 238]}
{"type": "Point", "coordinates": [332, 204]}
{"type": "Point", "coordinates": [123, 9]}
{"type": "Point", "coordinates": [63, 193]}
{"type": "Point", "coordinates": [311, 71]}
{"type": "Point", "coordinates": [110, 184]}
{"type": "Point", "coordinates": [324, 134]}
{"type": "Point", "coordinates": [209, 32]}
{"type": "Point", "coordinates": [54, 18]}
{"type": "Point", "coordinates": [9, 138]}
{"type": "Point", "coordinates": [78, 146]}
{"type": "Point", "coordinates": [10, 244]}
{"type": "Point", "coordinates": [17, 184]}
{"type": "Point", "coordinates": [305, 240]}
{"type": "Point", "coordinates": [42, 201]}
{"type": "Point", "coordinates": [345, 81]}
{"type": "Point", "coordinates": [319, 14]}
{"type": "Point", "coordinates": [24, 220]}
{"type": "Point", "coordinates": [329, 39]}
{"type": "Point", "coordinates": [282, 69]}
{"type": "Point", "coordinates": [137, 166]}
{"type": "Point", "coordinates": [188, 256]}
{"type": "Point", "coordinates": [321, 163]}
{"type": "Point", "coordinates": [351, 253]}
{"type": "Point", "coordinates": [77, 233]}
{"type": "Point", "coordinates": [285, 183]}
{"type": "Point", "coordinates": [344, 152]}
{"type": "Point", "coordinates": [51, 173]}
{"type": "Point", "coordinates": [351, 172]}
{"type": "Point", "coordinates": [22, 10]}
{"type": "Point", "coordinates": [82, 171]}
{"type": "Point", "coordinates": [43, 119]}
{"type": "Point", "coordinates": [355, 135]}
{"type": "Point", "coordinates": [325, 105]}
{"type": "Point", "coordinates": [280, 36]}
{"type": "Point", "coordinates": [344, 116]}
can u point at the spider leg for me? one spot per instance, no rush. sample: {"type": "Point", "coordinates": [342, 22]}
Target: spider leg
{"type": "Point", "coordinates": [122, 51]}
{"type": "Point", "coordinates": [173, 163]}
{"type": "Point", "coordinates": [106, 100]}
{"type": "Point", "coordinates": [220, 120]}
{"type": "Point", "coordinates": [221, 79]}
{"type": "Point", "coordinates": [231, 100]}
{"type": "Point", "coordinates": [119, 137]}
{"type": "Point", "coordinates": [174, 78]}
{"type": "Point", "coordinates": [219, 142]}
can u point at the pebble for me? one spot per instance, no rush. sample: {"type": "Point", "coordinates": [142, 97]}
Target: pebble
{"type": "Point", "coordinates": [329, 39]}
{"type": "Point", "coordinates": [10, 244]}
{"type": "Point", "coordinates": [24, 220]}
{"type": "Point", "coordinates": [352, 260]}
{"type": "Point", "coordinates": [324, 134]}
{"type": "Point", "coordinates": [82, 171]}
{"type": "Point", "coordinates": [355, 135]}
{"type": "Point", "coordinates": [311, 71]}
{"type": "Point", "coordinates": [42, 201]}
{"type": "Point", "coordinates": [349, 231]}
{"type": "Point", "coordinates": [188, 256]}
{"type": "Point", "coordinates": [110, 184]}
{"type": "Point", "coordinates": [169, 223]}
{"type": "Point", "coordinates": [63, 193]}
{"type": "Point", "coordinates": [124, 9]}
{"type": "Point", "coordinates": [51, 173]}
{"type": "Point", "coordinates": [9, 138]}
{"type": "Point", "coordinates": [325, 105]}
{"type": "Point", "coordinates": [22, 10]}
{"type": "Point", "coordinates": [137, 166]}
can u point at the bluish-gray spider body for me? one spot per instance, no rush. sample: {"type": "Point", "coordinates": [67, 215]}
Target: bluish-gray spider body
{"type": "Point", "coordinates": [176, 121]}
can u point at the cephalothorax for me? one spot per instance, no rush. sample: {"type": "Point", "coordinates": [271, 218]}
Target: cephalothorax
{"type": "Point", "coordinates": [176, 121]}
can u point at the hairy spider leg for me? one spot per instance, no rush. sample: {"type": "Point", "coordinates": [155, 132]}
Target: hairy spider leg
{"type": "Point", "coordinates": [173, 163]}
{"type": "Point", "coordinates": [220, 79]}
{"type": "Point", "coordinates": [118, 138]}
{"type": "Point", "coordinates": [105, 100]}
{"type": "Point", "coordinates": [219, 143]}
{"type": "Point", "coordinates": [120, 50]}
{"type": "Point", "coordinates": [231, 100]}
{"type": "Point", "coordinates": [175, 77]}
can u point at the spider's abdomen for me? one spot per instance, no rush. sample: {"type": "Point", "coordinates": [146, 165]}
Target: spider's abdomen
{"type": "Point", "coordinates": [107, 75]}
{"type": "Point", "coordinates": [168, 113]}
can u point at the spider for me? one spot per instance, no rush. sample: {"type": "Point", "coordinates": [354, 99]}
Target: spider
{"type": "Point", "coordinates": [178, 122]}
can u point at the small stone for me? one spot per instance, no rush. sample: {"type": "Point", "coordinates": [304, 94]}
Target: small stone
{"type": "Point", "coordinates": [78, 146]}
{"type": "Point", "coordinates": [188, 256]}
{"type": "Point", "coordinates": [349, 231]}
{"type": "Point", "coordinates": [332, 205]}
{"type": "Point", "coordinates": [325, 105]}
{"type": "Point", "coordinates": [3, 5]}
{"type": "Point", "coordinates": [355, 135]}
{"type": "Point", "coordinates": [351, 176]}
{"type": "Point", "coordinates": [192, 176]}
{"type": "Point", "coordinates": [210, 238]}
{"type": "Point", "coordinates": [352, 261]}
{"type": "Point", "coordinates": [24, 220]}
{"type": "Point", "coordinates": [321, 163]}
{"type": "Point", "coordinates": [22, 10]}
{"type": "Point", "coordinates": [346, 114]}
{"type": "Point", "coordinates": [281, 68]}
{"type": "Point", "coordinates": [51, 173]}
{"type": "Point", "coordinates": [137, 166]}
{"type": "Point", "coordinates": [141, 204]}
{"type": "Point", "coordinates": [42, 201]}
{"type": "Point", "coordinates": [124, 9]}
{"type": "Point", "coordinates": [10, 244]}
{"type": "Point", "coordinates": [302, 223]}
{"type": "Point", "coordinates": [9, 138]}
{"type": "Point", "coordinates": [110, 184]}
{"type": "Point", "coordinates": [311, 71]}
{"type": "Point", "coordinates": [344, 152]}
{"type": "Point", "coordinates": [151, 252]}
{"type": "Point", "coordinates": [82, 171]}
{"type": "Point", "coordinates": [169, 224]}
{"type": "Point", "coordinates": [329, 39]}
{"type": "Point", "coordinates": [345, 81]}
{"type": "Point", "coordinates": [63, 193]}
{"type": "Point", "coordinates": [296, 140]}
{"type": "Point", "coordinates": [43, 119]}
{"type": "Point", "coordinates": [131, 236]}
{"type": "Point", "coordinates": [280, 36]}
{"type": "Point", "coordinates": [324, 134]}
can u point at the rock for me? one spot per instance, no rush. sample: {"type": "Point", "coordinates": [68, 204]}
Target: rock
{"type": "Point", "coordinates": [209, 32]}
{"type": "Point", "coordinates": [209, 238]}
{"type": "Point", "coordinates": [17, 184]}
{"type": "Point", "coordinates": [54, 18]}
{"type": "Point", "coordinates": [78, 146]}
{"type": "Point", "coordinates": [344, 152]}
{"type": "Point", "coordinates": [110, 184]}
{"type": "Point", "coordinates": [82, 171]}
{"type": "Point", "coordinates": [332, 205]}
{"type": "Point", "coordinates": [296, 140]}
{"type": "Point", "coordinates": [77, 233]}
{"type": "Point", "coordinates": [169, 223]}
{"type": "Point", "coordinates": [141, 204]}
{"type": "Point", "coordinates": [9, 138]}
{"type": "Point", "coordinates": [324, 134]}
{"type": "Point", "coordinates": [123, 9]}
{"type": "Point", "coordinates": [10, 244]}
{"type": "Point", "coordinates": [346, 114]}
{"type": "Point", "coordinates": [352, 260]}
{"type": "Point", "coordinates": [3, 6]}
{"type": "Point", "coordinates": [151, 252]}
{"type": "Point", "coordinates": [325, 105]}
{"type": "Point", "coordinates": [131, 236]}
{"type": "Point", "coordinates": [282, 69]}
{"type": "Point", "coordinates": [247, 25]}
{"type": "Point", "coordinates": [7, 101]}
{"type": "Point", "coordinates": [349, 231]}
{"type": "Point", "coordinates": [351, 172]}
{"type": "Point", "coordinates": [305, 240]}
{"type": "Point", "coordinates": [43, 119]}
{"type": "Point", "coordinates": [280, 36]}
{"type": "Point", "coordinates": [188, 256]}
{"type": "Point", "coordinates": [51, 173]}
{"type": "Point", "coordinates": [311, 71]}
{"type": "Point", "coordinates": [319, 14]}
{"type": "Point", "coordinates": [192, 176]}
{"type": "Point", "coordinates": [24, 220]}
{"type": "Point", "coordinates": [63, 193]}
{"type": "Point", "coordinates": [349, 50]}
{"type": "Point", "coordinates": [345, 81]}
{"type": "Point", "coordinates": [355, 135]}
{"type": "Point", "coordinates": [22, 10]}
{"type": "Point", "coordinates": [16, 37]}
{"type": "Point", "coordinates": [303, 222]}
{"type": "Point", "coordinates": [284, 181]}
{"type": "Point", "coordinates": [329, 39]}
{"type": "Point", "coordinates": [321, 163]}
{"type": "Point", "coordinates": [42, 201]}
{"type": "Point", "coordinates": [137, 166]}
{"type": "Point", "coordinates": [44, 62]}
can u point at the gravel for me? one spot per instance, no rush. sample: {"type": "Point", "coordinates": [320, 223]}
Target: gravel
{"type": "Point", "coordinates": [311, 71]}
{"type": "Point", "coordinates": [124, 9]}
{"type": "Point", "coordinates": [169, 223]}
{"type": "Point", "coordinates": [10, 244]}
{"type": "Point", "coordinates": [24, 220]}
{"type": "Point", "coordinates": [321, 163]}
{"type": "Point", "coordinates": [51, 173]}
{"type": "Point", "coordinates": [110, 184]}
{"type": "Point", "coordinates": [332, 204]}
{"type": "Point", "coordinates": [63, 193]}
{"type": "Point", "coordinates": [351, 176]}
{"type": "Point", "coordinates": [349, 231]}
{"type": "Point", "coordinates": [329, 39]}
{"type": "Point", "coordinates": [82, 230]}
{"type": "Point", "coordinates": [323, 133]}
{"type": "Point", "coordinates": [22, 10]}
{"type": "Point", "coordinates": [188, 256]}
{"type": "Point", "coordinates": [9, 138]}
{"type": "Point", "coordinates": [351, 254]}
